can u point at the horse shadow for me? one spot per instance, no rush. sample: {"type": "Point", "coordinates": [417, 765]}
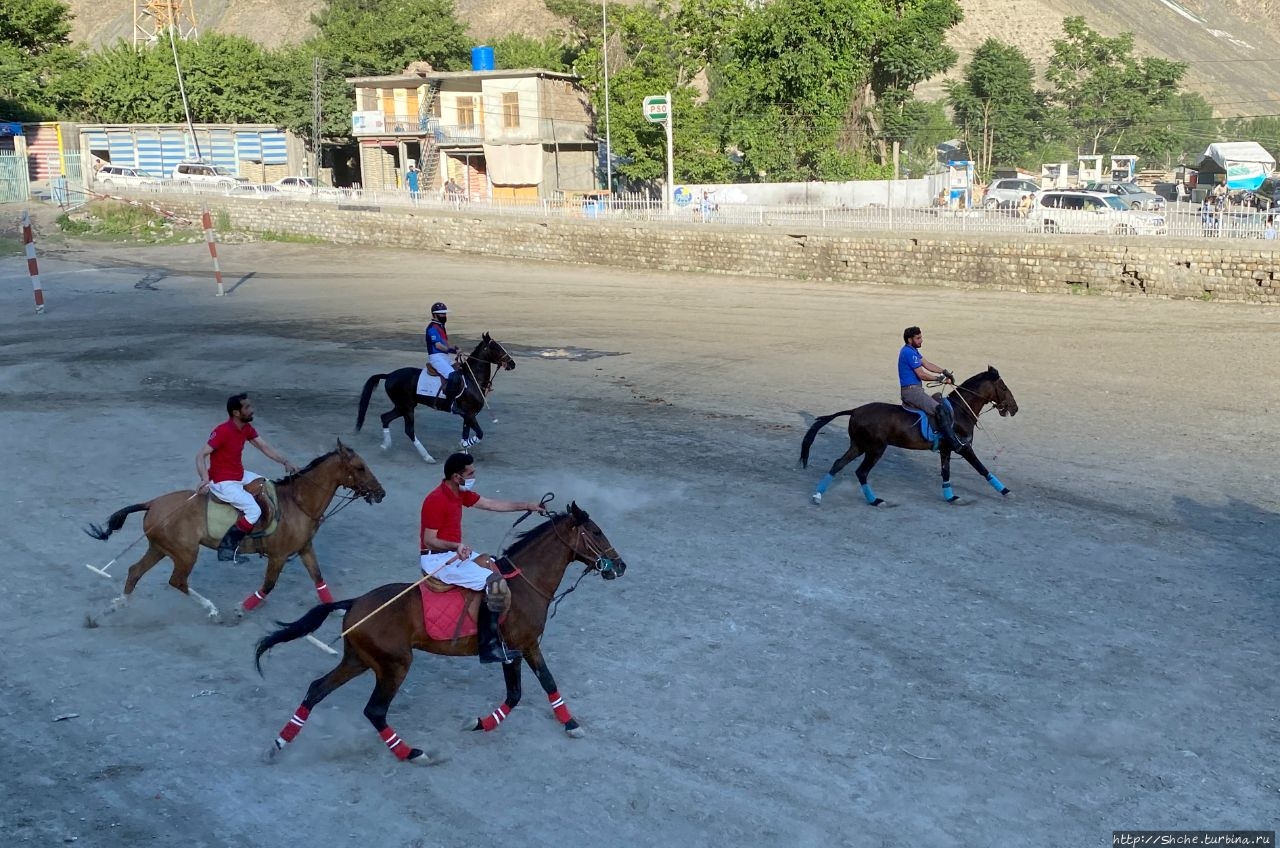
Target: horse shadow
{"type": "Point", "coordinates": [1235, 522]}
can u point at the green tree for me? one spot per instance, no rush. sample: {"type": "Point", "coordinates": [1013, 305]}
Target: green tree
{"type": "Point", "coordinates": [520, 51]}
{"type": "Point", "coordinates": [996, 105]}
{"type": "Point", "coordinates": [652, 49]}
{"type": "Point", "coordinates": [1102, 90]}
{"type": "Point", "coordinates": [35, 57]}
{"type": "Point", "coordinates": [228, 79]}
{"type": "Point", "coordinates": [369, 37]}
{"type": "Point", "coordinates": [792, 71]}
{"type": "Point", "coordinates": [910, 48]}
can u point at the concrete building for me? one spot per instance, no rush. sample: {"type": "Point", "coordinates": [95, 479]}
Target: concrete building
{"type": "Point", "coordinates": [499, 134]}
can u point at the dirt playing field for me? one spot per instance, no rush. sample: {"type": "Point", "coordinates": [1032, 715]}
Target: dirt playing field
{"type": "Point", "coordinates": [1096, 652]}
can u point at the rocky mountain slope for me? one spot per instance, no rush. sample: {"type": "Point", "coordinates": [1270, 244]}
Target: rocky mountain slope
{"type": "Point", "coordinates": [1232, 46]}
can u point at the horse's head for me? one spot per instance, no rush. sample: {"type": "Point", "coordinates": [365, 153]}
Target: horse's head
{"type": "Point", "coordinates": [591, 547]}
{"type": "Point", "coordinates": [491, 350]}
{"type": "Point", "coordinates": [357, 476]}
{"type": "Point", "coordinates": [1001, 396]}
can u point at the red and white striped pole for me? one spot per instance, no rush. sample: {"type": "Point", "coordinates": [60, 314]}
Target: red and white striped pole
{"type": "Point", "coordinates": [29, 242]}
{"type": "Point", "coordinates": [213, 249]}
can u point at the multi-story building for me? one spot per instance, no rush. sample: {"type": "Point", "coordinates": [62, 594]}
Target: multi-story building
{"type": "Point", "coordinates": [500, 134]}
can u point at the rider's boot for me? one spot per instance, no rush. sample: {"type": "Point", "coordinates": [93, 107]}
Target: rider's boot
{"type": "Point", "coordinates": [492, 648]}
{"type": "Point", "coordinates": [947, 426]}
{"type": "Point", "coordinates": [453, 390]}
{"type": "Point", "coordinates": [227, 547]}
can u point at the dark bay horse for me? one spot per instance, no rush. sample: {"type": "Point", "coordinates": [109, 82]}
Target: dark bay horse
{"type": "Point", "coordinates": [175, 526]}
{"type": "Point", "coordinates": [478, 372]}
{"type": "Point", "coordinates": [385, 642]}
{"type": "Point", "coordinates": [875, 427]}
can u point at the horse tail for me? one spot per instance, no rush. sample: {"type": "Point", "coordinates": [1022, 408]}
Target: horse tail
{"type": "Point", "coordinates": [365, 395]}
{"type": "Point", "coordinates": [115, 522]}
{"type": "Point", "coordinates": [304, 626]}
{"type": "Point", "coordinates": [818, 424]}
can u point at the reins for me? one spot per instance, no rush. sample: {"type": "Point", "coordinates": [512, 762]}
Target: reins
{"type": "Point", "coordinates": [987, 406]}
{"type": "Point", "coordinates": [554, 600]}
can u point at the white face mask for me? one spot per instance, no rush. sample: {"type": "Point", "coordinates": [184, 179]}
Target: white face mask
{"type": "Point", "coordinates": [468, 484]}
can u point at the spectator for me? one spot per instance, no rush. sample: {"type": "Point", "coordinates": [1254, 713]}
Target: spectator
{"type": "Point", "coordinates": [412, 180]}
{"type": "Point", "coordinates": [1180, 191]}
{"type": "Point", "coordinates": [452, 191]}
{"type": "Point", "coordinates": [1270, 232]}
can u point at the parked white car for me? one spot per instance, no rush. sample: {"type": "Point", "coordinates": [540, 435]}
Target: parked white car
{"type": "Point", "coordinates": [111, 177]}
{"type": "Point", "coordinates": [201, 176]}
{"type": "Point", "coordinates": [1094, 212]}
{"type": "Point", "coordinates": [306, 186]}
{"type": "Point", "coordinates": [1007, 193]}
{"type": "Point", "coordinates": [255, 191]}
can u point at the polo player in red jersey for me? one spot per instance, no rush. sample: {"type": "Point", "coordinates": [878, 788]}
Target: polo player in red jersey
{"type": "Point", "coordinates": [220, 465]}
{"type": "Point", "coordinates": [445, 556]}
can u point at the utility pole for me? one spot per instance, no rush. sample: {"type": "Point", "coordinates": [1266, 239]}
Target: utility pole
{"type": "Point", "coordinates": [317, 117]}
{"type": "Point", "coordinates": [608, 148]}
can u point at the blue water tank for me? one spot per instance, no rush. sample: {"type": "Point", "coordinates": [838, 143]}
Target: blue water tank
{"type": "Point", "coordinates": [482, 58]}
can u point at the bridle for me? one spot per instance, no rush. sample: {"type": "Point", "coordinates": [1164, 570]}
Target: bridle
{"type": "Point", "coordinates": [984, 407]}
{"type": "Point", "coordinates": [603, 562]}
{"type": "Point", "coordinates": [487, 385]}
{"type": "Point", "coordinates": [343, 500]}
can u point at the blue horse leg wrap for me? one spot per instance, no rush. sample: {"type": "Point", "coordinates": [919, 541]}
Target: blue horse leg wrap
{"type": "Point", "coordinates": [824, 483]}
{"type": "Point", "coordinates": [995, 482]}
{"type": "Point", "coordinates": [946, 491]}
{"type": "Point", "coordinates": [868, 494]}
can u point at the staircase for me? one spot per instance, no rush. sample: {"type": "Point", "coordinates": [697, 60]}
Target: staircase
{"type": "Point", "coordinates": [430, 156]}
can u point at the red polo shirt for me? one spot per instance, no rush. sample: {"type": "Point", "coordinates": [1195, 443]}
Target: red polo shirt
{"type": "Point", "coordinates": [442, 512]}
{"type": "Point", "coordinates": [227, 460]}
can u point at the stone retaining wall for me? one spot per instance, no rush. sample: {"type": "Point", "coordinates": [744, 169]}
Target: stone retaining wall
{"type": "Point", "coordinates": [1243, 270]}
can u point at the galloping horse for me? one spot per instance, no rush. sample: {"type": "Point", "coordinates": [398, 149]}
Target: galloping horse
{"type": "Point", "coordinates": [175, 526]}
{"type": "Point", "coordinates": [385, 642]}
{"type": "Point", "coordinates": [874, 427]}
{"type": "Point", "coordinates": [402, 388]}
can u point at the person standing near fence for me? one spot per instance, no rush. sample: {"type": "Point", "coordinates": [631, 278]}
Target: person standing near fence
{"type": "Point", "coordinates": [412, 180]}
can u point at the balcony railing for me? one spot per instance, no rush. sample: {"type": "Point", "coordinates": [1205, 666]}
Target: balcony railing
{"type": "Point", "coordinates": [552, 131]}
{"type": "Point", "coordinates": [380, 123]}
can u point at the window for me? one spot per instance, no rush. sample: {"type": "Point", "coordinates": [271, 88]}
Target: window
{"type": "Point", "coordinates": [466, 111]}
{"type": "Point", "coordinates": [511, 109]}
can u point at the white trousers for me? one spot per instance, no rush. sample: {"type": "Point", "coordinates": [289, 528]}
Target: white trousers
{"type": "Point", "coordinates": [442, 362]}
{"type": "Point", "coordinates": [465, 573]}
{"type": "Point", "coordinates": [232, 492]}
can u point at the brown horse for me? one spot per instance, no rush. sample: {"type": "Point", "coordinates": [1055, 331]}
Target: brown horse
{"type": "Point", "coordinates": [875, 427]}
{"type": "Point", "coordinates": [385, 641]}
{"type": "Point", "coordinates": [175, 526]}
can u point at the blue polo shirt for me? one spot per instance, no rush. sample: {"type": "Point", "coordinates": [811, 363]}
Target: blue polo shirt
{"type": "Point", "coordinates": [909, 359]}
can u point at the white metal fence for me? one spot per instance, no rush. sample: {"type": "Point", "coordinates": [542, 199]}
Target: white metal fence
{"type": "Point", "coordinates": [1183, 220]}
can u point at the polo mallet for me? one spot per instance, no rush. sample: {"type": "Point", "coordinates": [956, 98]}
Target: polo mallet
{"type": "Point", "coordinates": [103, 570]}
{"type": "Point", "coordinates": [407, 590]}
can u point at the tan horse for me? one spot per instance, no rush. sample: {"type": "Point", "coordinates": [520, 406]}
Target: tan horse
{"type": "Point", "coordinates": [175, 526]}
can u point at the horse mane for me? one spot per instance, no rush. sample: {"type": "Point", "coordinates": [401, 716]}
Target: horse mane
{"type": "Point", "coordinates": [981, 377]}
{"type": "Point", "coordinates": [289, 478]}
{"type": "Point", "coordinates": [533, 534]}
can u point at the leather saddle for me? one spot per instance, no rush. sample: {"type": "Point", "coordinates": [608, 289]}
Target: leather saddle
{"type": "Point", "coordinates": [264, 492]}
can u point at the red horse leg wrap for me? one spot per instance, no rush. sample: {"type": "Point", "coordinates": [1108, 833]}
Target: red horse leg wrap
{"type": "Point", "coordinates": [557, 705]}
{"type": "Point", "coordinates": [244, 524]}
{"type": "Point", "coordinates": [495, 718]}
{"type": "Point", "coordinates": [322, 591]}
{"type": "Point", "coordinates": [395, 743]}
{"type": "Point", "coordinates": [295, 724]}
{"type": "Point", "coordinates": [253, 600]}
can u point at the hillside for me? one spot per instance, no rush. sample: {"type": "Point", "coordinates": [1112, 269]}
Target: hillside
{"type": "Point", "coordinates": [1232, 46]}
